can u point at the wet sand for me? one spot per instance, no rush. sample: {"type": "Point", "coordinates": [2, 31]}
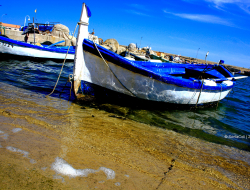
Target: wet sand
{"type": "Point", "coordinates": [48, 143]}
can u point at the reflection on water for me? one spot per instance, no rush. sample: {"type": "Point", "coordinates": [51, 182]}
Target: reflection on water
{"type": "Point", "coordinates": [232, 117]}
{"type": "Point", "coordinates": [36, 76]}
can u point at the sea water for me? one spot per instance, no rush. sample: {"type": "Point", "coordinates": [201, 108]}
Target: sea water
{"type": "Point", "coordinates": [227, 123]}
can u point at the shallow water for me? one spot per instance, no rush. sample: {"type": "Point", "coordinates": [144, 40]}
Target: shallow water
{"type": "Point", "coordinates": [228, 123]}
{"type": "Point", "coordinates": [52, 143]}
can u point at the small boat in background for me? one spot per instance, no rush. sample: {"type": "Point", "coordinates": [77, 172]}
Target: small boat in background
{"type": "Point", "coordinates": [99, 71]}
{"type": "Point", "coordinates": [247, 73]}
{"type": "Point", "coordinates": [155, 57]}
{"type": "Point", "coordinates": [139, 57]}
{"type": "Point", "coordinates": [13, 48]}
{"type": "Point", "coordinates": [234, 70]}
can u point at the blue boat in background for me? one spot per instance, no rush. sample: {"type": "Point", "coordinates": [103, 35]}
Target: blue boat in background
{"type": "Point", "coordinates": [13, 48]}
{"type": "Point", "coordinates": [41, 27]}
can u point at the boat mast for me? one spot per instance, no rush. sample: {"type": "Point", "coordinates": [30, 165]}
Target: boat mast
{"type": "Point", "coordinates": [34, 32]}
{"type": "Point", "coordinates": [79, 55]}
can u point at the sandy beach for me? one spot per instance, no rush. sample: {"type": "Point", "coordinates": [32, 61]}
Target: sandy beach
{"type": "Point", "coordinates": [48, 143]}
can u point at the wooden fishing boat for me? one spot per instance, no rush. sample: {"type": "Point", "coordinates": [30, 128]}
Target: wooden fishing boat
{"type": "Point", "coordinates": [13, 48]}
{"type": "Point", "coordinates": [100, 71]}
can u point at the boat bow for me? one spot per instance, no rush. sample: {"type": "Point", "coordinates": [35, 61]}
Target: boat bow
{"type": "Point", "coordinates": [79, 55]}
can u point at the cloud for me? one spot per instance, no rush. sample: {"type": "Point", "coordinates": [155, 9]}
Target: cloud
{"type": "Point", "coordinates": [220, 2]}
{"type": "Point", "coordinates": [203, 18]}
{"type": "Point", "coordinates": [138, 9]}
{"type": "Point", "coordinates": [243, 4]}
{"type": "Point", "coordinates": [137, 13]}
{"type": "Point", "coordinates": [138, 6]}
{"type": "Point", "coordinates": [245, 8]}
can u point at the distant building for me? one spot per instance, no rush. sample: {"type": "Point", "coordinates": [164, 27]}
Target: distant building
{"type": "Point", "coordinates": [10, 26]}
{"type": "Point", "coordinates": [160, 54]}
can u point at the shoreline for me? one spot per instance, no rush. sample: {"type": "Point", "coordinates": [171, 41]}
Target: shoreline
{"type": "Point", "coordinates": [191, 59]}
{"type": "Point", "coordinates": [141, 156]}
{"type": "Point", "coordinates": [242, 69]}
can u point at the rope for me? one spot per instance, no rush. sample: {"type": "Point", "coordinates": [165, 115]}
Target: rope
{"type": "Point", "coordinates": [63, 64]}
{"type": "Point", "coordinates": [192, 96]}
{"type": "Point", "coordinates": [70, 77]}
{"type": "Point", "coordinates": [83, 23]}
{"type": "Point", "coordinates": [113, 72]}
{"type": "Point", "coordinates": [71, 85]}
{"type": "Point", "coordinates": [219, 97]}
{"type": "Point", "coordinates": [199, 94]}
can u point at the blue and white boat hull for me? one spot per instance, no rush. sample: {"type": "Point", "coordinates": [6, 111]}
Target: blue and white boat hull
{"type": "Point", "coordinates": [97, 68]}
{"type": "Point", "coordinates": [95, 71]}
{"type": "Point", "coordinates": [16, 48]}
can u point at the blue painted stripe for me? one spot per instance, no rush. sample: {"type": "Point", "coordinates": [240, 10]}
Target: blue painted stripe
{"type": "Point", "coordinates": [88, 11]}
{"type": "Point", "coordinates": [162, 71]}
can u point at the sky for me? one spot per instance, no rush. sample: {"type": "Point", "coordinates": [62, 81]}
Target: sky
{"type": "Point", "coordinates": [185, 27]}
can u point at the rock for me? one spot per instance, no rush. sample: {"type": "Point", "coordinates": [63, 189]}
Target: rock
{"type": "Point", "coordinates": [121, 50]}
{"type": "Point", "coordinates": [94, 38]}
{"type": "Point", "coordinates": [107, 47]}
{"type": "Point", "coordinates": [132, 47]}
{"type": "Point", "coordinates": [62, 31]}
{"type": "Point", "coordinates": [100, 41]}
{"type": "Point", "coordinates": [59, 30]}
{"type": "Point", "coordinates": [74, 41]}
{"type": "Point", "coordinates": [112, 44]}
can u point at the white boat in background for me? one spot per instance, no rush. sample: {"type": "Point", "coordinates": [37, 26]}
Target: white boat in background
{"type": "Point", "coordinates": [13, 48]}
{"type": "Point", "coordinates": [98, 71]}
{"type": "Point", "coordinates": [144, 58]}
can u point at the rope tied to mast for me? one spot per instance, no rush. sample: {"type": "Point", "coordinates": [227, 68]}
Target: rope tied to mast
{"type": "Point", "coordinates": [83, 23]}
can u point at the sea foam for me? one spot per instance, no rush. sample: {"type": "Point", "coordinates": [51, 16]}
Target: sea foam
{"type": "Point", "coordinates": [13, 149]}
{"type": "Point", "coordinates": [62, 167]}
{"type": "Point", "coordinates": [24, 153]}
{"type": "Point", "coordinates": [4, 135]}
{"type": "Point", "coordinates": [15, 130]}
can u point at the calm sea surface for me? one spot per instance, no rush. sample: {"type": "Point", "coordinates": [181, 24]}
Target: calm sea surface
{"type": "Point", "coordinates": [227, 124]}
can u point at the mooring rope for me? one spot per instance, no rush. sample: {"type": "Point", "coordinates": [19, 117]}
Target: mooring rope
{"type": "Point", "coordinates": [113, 72]}
{"type": "Point", "coordinates": [70, 77]}
{"type": "Point", "coordinates": [219, 97]}
{"type": "Point", "coordinates": [200, 92]}
{"type": "Point", "coordinates": [63, 63]}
